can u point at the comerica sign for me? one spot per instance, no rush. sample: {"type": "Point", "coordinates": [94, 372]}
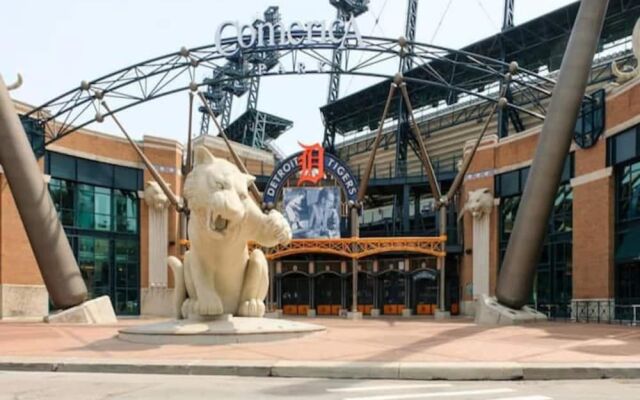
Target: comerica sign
{"type": "Point", "coordinates": [264, 34]}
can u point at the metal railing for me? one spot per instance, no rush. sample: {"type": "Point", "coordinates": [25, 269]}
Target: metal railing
{"type": "Point", "coordinates": [415, 169]}
{"type": "Point", "coordinates": [592, 311]}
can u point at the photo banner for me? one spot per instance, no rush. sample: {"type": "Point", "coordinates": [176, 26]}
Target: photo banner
{"type": "Point", "coordinates": [313, 212]}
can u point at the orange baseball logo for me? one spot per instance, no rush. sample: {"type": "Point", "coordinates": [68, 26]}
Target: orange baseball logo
{"type": "Point", "coordinates": [311, 163]}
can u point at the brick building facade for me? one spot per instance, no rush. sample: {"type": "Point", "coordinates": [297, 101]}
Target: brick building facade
{"type": "Point", "coordinates": [582, 261]}
{"type": "Point", "coordinates": [98, 185]}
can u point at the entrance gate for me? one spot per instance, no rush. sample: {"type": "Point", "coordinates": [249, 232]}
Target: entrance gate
{"type": "Point", "coordinates": [294, 292]}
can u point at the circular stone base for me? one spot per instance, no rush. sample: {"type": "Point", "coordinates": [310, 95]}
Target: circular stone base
{"type": "Point", "coordinates": [218, 331]}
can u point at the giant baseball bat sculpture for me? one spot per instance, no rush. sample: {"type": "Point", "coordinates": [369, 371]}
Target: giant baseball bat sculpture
{"type": "Point", "coordinates": [515, 282]}
{"type": "Point", "coordinates": [50, 246]}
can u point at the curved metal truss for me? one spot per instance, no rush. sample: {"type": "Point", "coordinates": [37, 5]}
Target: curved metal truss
{"type": "Point", "coordinates": [356, 248]}
{"type": "Point", "coordinates": [371, 57]}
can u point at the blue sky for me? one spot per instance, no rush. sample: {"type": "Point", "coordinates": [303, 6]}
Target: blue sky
{"type": "Point", "coordinates": [57, 44]}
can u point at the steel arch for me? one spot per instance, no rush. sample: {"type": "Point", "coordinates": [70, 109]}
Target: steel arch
{"type": "Point", "coordinates": [179, 71]}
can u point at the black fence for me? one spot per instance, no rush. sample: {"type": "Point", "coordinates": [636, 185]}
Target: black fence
{"type": "Point", "coordinates": [592, 311]}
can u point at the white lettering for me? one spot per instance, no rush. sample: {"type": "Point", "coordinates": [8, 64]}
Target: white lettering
{"type": "Point", "coordinates": [252, 36]}
{"type": "Point", "coordinates": [352, 32]}
{"type": "Point", "coordinates": [265, 34]}
{"type": "Point", "coordinates": [336, 26]}
{"type": "Point", "coordinates": [323, 30]}
{"type": "Point", "coordinates": [290, 34]}
{"type": "Point", "coordinates": [271, 30]}
{"type": "Point", "coordinates": [221, 28]}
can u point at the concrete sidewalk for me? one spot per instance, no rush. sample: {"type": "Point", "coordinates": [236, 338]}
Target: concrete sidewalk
{"type": "Point", "coordinates": [390, 348]}
{"type": "Point", "coordinates": [463, 371]}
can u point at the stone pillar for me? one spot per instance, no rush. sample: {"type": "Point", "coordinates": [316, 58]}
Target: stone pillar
{"type": "Point", "coordinates": [375, 312]}
{"type": "Point", "coordinates": [311, 312]}
{"type": "Point", "coordinates": [277, 284]}
{"type": "Point", "coordinates": [481, 248]}
{"type": "Point", "coordinates": [345, 284]}
{"type": "Point", "coordinates": [480, 204]}
{"type": "Point", "coordinates": [407, 311]}
{"type": "Point", "coordinates": [157, 298]}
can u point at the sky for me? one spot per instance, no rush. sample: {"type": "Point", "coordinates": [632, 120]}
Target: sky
{"type": "Point", "coordinates": [57, 44]}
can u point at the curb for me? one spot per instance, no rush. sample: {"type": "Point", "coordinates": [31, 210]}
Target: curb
{"type": "Point", "coordinates": [495, 371]}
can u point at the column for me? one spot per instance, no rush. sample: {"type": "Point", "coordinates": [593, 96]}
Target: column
{"type": "Point", "coordinates": [407, 311]}
{"type": "Point", "coordinates": [278, 287]}
{"type": "Point", "coordinates": [346, 283]}
{"type": "Point", "coordinates": [157, 298]}
{"type": "Point", "coordinates": [375, 312]}
{"type": "Point", "coordinates": [406, 197]}
{"type": "Point", "coordinates": [311, 312]}
{"type": "Point", "coordinates": [481, 249]}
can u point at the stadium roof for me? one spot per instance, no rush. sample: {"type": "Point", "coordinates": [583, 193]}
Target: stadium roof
{"type": "Point", "coordinates": [274, 126]}
{"type": "Point", "coordinates": [534, 44]}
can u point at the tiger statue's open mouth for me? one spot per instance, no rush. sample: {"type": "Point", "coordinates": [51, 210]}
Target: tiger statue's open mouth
{"type": "Point", "coordinates": [218, 224]}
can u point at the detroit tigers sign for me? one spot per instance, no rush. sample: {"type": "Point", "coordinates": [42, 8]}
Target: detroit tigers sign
{"type": "Point", "coordinates": [309, 163]}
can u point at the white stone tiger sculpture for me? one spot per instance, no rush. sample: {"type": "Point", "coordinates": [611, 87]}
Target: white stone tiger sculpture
{"type": "Point", "coordinates": [628, 73]}
{"type": "Point", "coordinates": [480, 203]}
{"type": "Point", "coordinates": [218, 275]}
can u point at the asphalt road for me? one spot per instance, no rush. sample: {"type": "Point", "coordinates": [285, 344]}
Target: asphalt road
{"type": "Point", "coordinates": [93, 386]}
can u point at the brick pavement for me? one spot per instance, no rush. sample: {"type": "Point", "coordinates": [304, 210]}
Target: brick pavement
{"type": "Point", "coordinates": [383, 339]}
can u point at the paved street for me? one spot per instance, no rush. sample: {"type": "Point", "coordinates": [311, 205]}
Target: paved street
{"type": "Point", "coordinates": [87, 386]}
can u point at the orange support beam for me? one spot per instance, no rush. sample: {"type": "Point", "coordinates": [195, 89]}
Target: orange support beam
{"type": "Point", "coordinates": [357, 248]}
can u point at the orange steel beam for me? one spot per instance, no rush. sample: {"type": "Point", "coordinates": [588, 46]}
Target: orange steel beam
{"type": "Point", "coordinates": [356, 248]}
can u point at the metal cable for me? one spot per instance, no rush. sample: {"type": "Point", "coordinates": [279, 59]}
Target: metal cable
{"type": "Point", "coordinates": [376, 24]}
{"type": "Point", "coordinates": [444, 14]}
{"type": "Point", "coordinates": [486, 14]}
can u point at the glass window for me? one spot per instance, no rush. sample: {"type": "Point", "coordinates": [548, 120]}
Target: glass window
{"type": "Point", "coordinates": [625, 146]}
{"type": "Point", "coordinates": [85, 210]}
{"type": "Point", "coordinates": [62, 194]}
{"type": "Point", "coordinates": [126, 211]}
{"type": "Point", "coordinates": [628, 284]}
{"type": "Point", "coordinates": [627, 275]}
{"type": "Point", "coordinates": [95, 264]}
{"type": "Point", "coordinates": [543, 287]}
{"type": "Point", "coordinates": [509, 209]}
{"type": "Point", "coordinates": [509, 184]}
{"type": "Point", "coordinates": [127, 178]}
{"type": "Point", "coordinates": [102, 226]}
{"type": "Point", "coordinates": [628, 190]}
{"type": "Point", "coordinates": [524, 174]}
{"type": "Point", "coordinates": [553, 285]}
{"type": "Point", "coordinates": [62, 166]}
{"type": "Point", "coordinates": [102, 208]}
{"type": "Point", "coordinates": [95, 173]}
{"type": "Point", "coordinates": [35, 133]}
{"type": "Point", "coordinates": [567, 170]}
{"type": "Point", "coordinates": [126, 251]}
{"type": "Point", "coordinates": [562, 218]}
